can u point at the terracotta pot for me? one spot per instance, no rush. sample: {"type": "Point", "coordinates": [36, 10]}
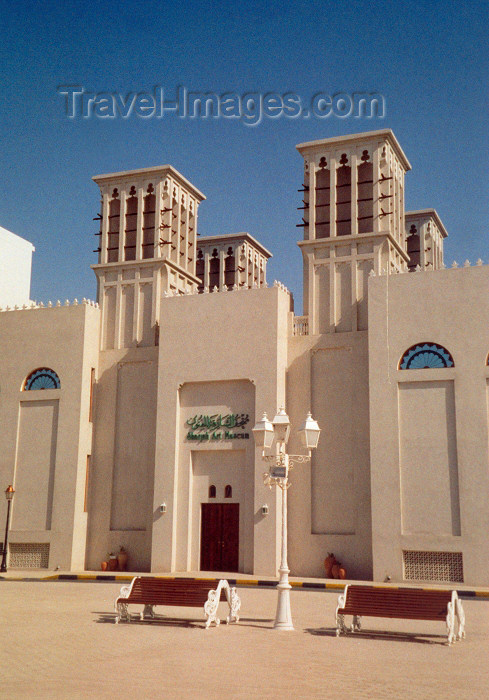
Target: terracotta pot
{"type": "Point", "coordinates": [335, 570]}
{"type": "Point", "coordinates": [103, 566]}
{"type": "Point", "coordinates": [342, 573]}
{"type": "Point", "coordinates": [328, 564]}
{"type": "Point", "coordinates": [122, 560]}
{"type": "Point", "coordinates": [112, 564]}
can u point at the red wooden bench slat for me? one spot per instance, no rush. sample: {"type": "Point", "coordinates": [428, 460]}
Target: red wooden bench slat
{"type": "Point", "coordinates": [178, 592]}
{"type": "Point", "coordinates": [414, 604]}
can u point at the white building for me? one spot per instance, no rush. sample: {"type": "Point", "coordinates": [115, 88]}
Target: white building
{"type": "Point", "coordinates": [15, 269]}
{"type": "Point", "coordinates": [152, 395]}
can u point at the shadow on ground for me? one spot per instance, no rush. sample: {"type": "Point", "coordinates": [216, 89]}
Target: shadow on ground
{"type": "Point", "coordinates": [383, 636]}
{"type": "Point", "coordinates": [160, 620]}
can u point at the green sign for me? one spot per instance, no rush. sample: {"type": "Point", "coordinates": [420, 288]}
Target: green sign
{"type": "Point", "coordinates": [217, 427]}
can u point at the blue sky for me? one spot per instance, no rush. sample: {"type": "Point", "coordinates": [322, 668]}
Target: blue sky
{"type": "Point", "coordinates": [428, 59]}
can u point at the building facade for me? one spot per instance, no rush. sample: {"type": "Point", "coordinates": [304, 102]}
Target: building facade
{"type": "Point", "coordinates": [142, 436]}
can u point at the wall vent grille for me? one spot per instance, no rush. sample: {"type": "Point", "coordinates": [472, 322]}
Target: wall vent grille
{"type": "Point", "coordinates": [433, 566]}
{"type": "Point", "coordinates": [28, 555]}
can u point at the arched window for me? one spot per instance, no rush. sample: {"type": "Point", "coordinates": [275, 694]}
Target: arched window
{"type": "Point", "coordinates": [228, 491]}
{"type": "Point", "coordinates": [426, 356]}
{"type": "Point", "coordinates": [212, 491]}
{"type": "Point", "coordinates": [42, 378]}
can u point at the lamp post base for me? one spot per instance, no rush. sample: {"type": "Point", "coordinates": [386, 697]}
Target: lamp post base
{"type": "Point", "coordinates": [283, 617]}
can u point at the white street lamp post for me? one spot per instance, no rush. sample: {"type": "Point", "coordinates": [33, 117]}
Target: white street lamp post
{"type": "Point", "coordinates": [278, 475]}
{"type": "Point", "coordinates": [9, 494]}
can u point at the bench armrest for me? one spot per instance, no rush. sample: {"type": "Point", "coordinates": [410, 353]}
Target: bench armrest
{"type": "Point", "coordinates": [125, 591]}
{"type": "Point", "coordinates": [212, 603]}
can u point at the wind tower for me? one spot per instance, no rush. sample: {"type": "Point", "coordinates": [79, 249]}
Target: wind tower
{"type": "Point", "coordinates": [148, 244]}
{"type": "Point", "coordinates": [353, 221]}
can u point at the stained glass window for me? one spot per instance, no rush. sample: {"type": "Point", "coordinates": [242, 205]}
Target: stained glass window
{"type": "Point", "coordinates": [43, 378]}
{"type": "Point", "coordinates": [426, 356]}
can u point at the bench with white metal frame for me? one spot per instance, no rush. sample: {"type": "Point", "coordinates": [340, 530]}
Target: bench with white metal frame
{"type": "Point", "coordinates": [151, 591]}
{"type": "Point", "coordinates": [401, 603]}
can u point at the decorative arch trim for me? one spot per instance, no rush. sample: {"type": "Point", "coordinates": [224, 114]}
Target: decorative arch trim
{"type": "Point", "coordinates": [42, 378]}
{"type": "Point", "coordinates": [426, 356]}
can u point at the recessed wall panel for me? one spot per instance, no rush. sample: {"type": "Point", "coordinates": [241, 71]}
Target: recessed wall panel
{"type": "Point", "coordinates": [36, 459]}
{"type": "Point", "coordinates": [127, 315]}
{"type": "Point", "coordinates": [134, 446]}
{"type": "Point", "coordinates": [343, 297]}
{"type": "Point", "coordinates": [109, 318]}
{"type": "Point", "coordinates": [322, 297]}
{"type": "Point", "coordinates": [363, 271]}
{"type": "Point", "coordinates": [333, 462]}
{"type": "Point", "coordinates": [428, 458]}
{"type": "Point", "coordinates": [145, 308]}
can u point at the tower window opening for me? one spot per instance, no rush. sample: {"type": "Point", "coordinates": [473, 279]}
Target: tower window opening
{"type": "Point", "coordinates": [214, 268]}
{"type": "Point", "coordinates": [113, 230]}
{"type": "Point", "coordinates": [365, 195]}
{"type": "Point", "coordinates": [343, 198]}
{"type": "Point", "coordinates": [229, 269]}
{"type": "Point", "coordinates": [174, 227]}
{"type": "Point", "coordinates": [228, 491]}
{"type": "Point", "coordinates": [212, 491]}
{"type": "Point", "coordinates": [149, 223]}
{"type": "Point", "coordinates": [413, 248]}
{"type": "Point", "coordinates": [199, 270]}
{"type": "Point", "coordinates": [131, 226]}
{"type": "Point", "coordinates": [322, 201]}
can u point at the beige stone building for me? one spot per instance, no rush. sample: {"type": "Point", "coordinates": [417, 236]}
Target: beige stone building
{"type": "Point", "coordinates": [128, 421]}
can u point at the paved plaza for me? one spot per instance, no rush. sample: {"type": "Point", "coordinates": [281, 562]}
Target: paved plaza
{"type": "Point", "coordinates": [58, 640]}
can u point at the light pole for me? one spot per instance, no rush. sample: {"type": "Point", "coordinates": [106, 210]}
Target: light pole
{"type": "Point", "coordinates": [278, 475]}
{"type": "Point", "coordinates": [9, 494]}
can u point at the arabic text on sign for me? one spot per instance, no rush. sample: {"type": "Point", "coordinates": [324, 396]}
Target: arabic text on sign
{"type": "Point", "coordinates": [205, 423]}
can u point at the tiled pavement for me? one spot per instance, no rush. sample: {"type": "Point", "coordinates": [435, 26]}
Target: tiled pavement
{"type": "Point", "coordinates": [58, 640]}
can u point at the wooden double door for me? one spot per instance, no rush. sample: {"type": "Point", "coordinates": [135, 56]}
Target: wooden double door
{"type": "Point", "coordinates": [219, 540]}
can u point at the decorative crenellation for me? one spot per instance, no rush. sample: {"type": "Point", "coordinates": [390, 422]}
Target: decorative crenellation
{"type": "Point", "coordinates": [281, 286]}
{"type": "Point", "coordinates": [50, 305]}
{"type": "Point", "coordinates": [215, 289]}
{"type": "Point", "coordinates": [454, 266]}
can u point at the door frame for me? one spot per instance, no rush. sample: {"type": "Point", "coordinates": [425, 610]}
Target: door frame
{"type": "Point", "coordinates": [219, 510]}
